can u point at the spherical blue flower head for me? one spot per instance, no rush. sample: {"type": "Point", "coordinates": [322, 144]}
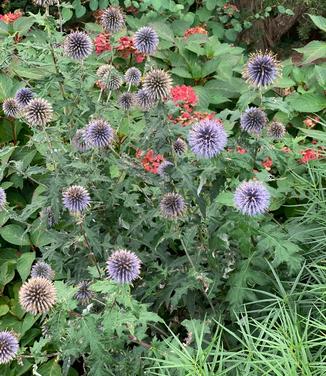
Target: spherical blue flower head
{"type": "Point", "coordinates": [126, 101]}
{"type": "Point", "coordinates": [113, 19]}
{"type": "Point", "coordinates": [99, 133]}
{"type": "Point", "coordinates": [43, 270]}
{"type": "Point", "coordinates": [144, 100]}
{"type": "Point", "coordinates": [123, 266]}
{"type": "Point", "coordinates": [262, 69]}
{"type": "Point", "coordinates": [163, 168]}
{"type": "Point", "coordinates": [207, 138]}
{"type": "Point", "coordinates": [157, 83]}
{"type": "Point", "coordinates": [179, 146]}
{"type": "Point", "coordinates": [253, 120]}
{"type": "Point", "coordinates": [146, 40]}
{"type": "Point", "coordinates": [23, 96]}
{"type": "Point", "coordinates": [76, 199]}
{"type": "Point", "coordinates": [3, 199]}
{"type": "Point", "coordinates": [84, 294]}
{"type": "Point", "coordinates": [10, 107]}
{"type": "Point", "coordinates": [133, 76]}
{"type": "Point", "coordinates": [172, 205]}
{"type": "Point", "coordinates": [8, 347]}
{"type": "Point", "coordinates": [252, 198]}
{"type": "Point", "coordinates": [79, 141]}
{"type": "Point", "coordinates": [276, 130]}
{"type": "Point", "coordinates": [78, 45]}
{"type": "Point", "coordinates": [38, 112]}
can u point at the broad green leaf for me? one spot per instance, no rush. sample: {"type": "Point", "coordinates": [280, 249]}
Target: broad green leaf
{"type": "Point", "coordinates": [320, 72]}
{"type": "Point", "coordinates": [317, 135]}
{"type": "Point", "coordinates": [15, 234]}
{"type": "Point", "coordinates": [319, 21]}
{"type": "Point", "coordinates": [23, 25]}
{"type": "Point", "coordinates": [225, 198]}
{"type": "Point", "coordinates": [312, 51]}
{"type": "Point", "coordinates": [4, 309]}
{"type": "Point", "coordinates": [163, 30]}
{"type": "Point", "coordinates": [24, 264]}
{"type": "Point", "coordinates": [93, 4]}
{"type": "Point", "coordinates": [5, 86]}
{"type": "Point", "coordinates": [51, 368]}
{"type": "Point", "coordinates": [181, 72]}
{"type": "Point", "coordinates": [306, 102]}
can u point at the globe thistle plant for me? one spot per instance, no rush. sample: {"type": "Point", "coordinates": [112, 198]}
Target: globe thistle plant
{"type": "Point", "coordinates": [252, 198]}
{"type": "Point", "coordinates": [144, 100]}
{"type": "Point", "coordinates": [10, 107]}
{"type": "Point", "coordinates": [8, 347]}
{"type": "Point", "coordinates": [103, 70]}
{"type": "Point", "coordinates": [253, 120]}
{"type": "Point", "coordinates": [43, 270]}
{"type": "Point", "coordinates": [99, 133]}
{"type": "Point", "coordinates": [157, 83]}
{"type": "Point", "coordinates": [179, 146]}
{"type": "Point", "coordinates": [163, 167]}
{"type": "Point", "coordinates": [84, 294]}
{"type": "Point", "coordinates": [207, 138]}
{"type": "Point", "coordinates": [276, 130]}
{"type": "Point", "coordinates": [126, 101]}
{"type": "Point", "coordinates": [76, 199]}
{"type": "Point", "coordinates": [3, 199]}
{"type": "Point", "coordinates": [78, 45]}
{"type": "Point", "coordinates": [38, 112]}
{"type": "Point", "coordinates": [172, 206]}
{"type": "Point", "coordinates": [123, 266]}
{"type": "Point", "coordinates": [79, 141]}
{"type": "Point", "coordinates": [23, 96]}
{"type": "Point", "coordinates": [262, 69]}
{"type": "Point", "coordinates": [112, 79]}
{"type": "Point", "coordinates": [37, 295]}
{"type": "Point", "coordinates": [133, 76]}
{"type": "Point", "coordinates": [113, 19]}
{"type": "Point", "coordinates": [146, 40]}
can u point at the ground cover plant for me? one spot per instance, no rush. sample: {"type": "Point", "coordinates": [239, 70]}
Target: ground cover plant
{"type": "Point", "coordinates": [162, 202]}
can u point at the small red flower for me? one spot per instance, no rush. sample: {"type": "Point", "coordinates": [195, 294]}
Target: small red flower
{"type": "Point", "coordinates": [126, 48]}
{"type": "Point", "coordinates": [241, 150]}
{"type": "Point", "coordinates": [195, 30]}
{"type": "Point", "coordinates": [102, 43]}
{"type": "Point", "coordinates": [184, 95]}
{"type": "Point", "coordinates": [267, 163]}
{"type": "Point", "coordinates": [150, 161]}
{"type": "Point", "coordinates": [286, 149]}
{"type": "Point", "coordinates": [308, 155]}
{"type": "Point", "coordinates": [10, 17]}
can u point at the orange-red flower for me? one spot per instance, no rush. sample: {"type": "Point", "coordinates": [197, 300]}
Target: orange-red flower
{"type": "Point", "coordinates": [195, 30]}
{"type": "Point", "coordinates": [184, 95]}
{"type": "Point", "coordinates": [267, 163]}
{"type": "Point", "coordinates": [102, 43]}
{"type": "Point", "coordinates": [10, 17]}
{"type": "Point", "coordinates": [126, 48]}
{"type": "Point", "coordinates": [308, 155]}
{"type": "Point", "coordinates": [150, 160]}
{"type": "Point", "coordinates": [310, 123]}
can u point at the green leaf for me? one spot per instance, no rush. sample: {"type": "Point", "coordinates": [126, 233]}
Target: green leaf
{"type": "Point", "coordinates": [15, 234]}
{"type": "Point", "coordinates": [4, 309]}
{"type": "Point", "coordinates": [23, 25]}
{"type": "Point", "coordinates": [319, 21]}
{"type": "Point", "coordinates": [306, 102]}
{"type": "Point", "coordinates": [181, 72]}
{"type": "Point", "coordinates": [312, 51]}
{"type": "Point", "coordinates": [24, 264]}
{"type": "Point", "coordinates": [67, 14]}
{"type": "Point", "coordinates": [93, 4]}
{"type": "Point", "coordinates": [225, 198]}
{"type": "Point", "coordinates": [163, 30]}
{"type": "Point", "coordinates": [320, 72]}
{"type": "Point", "coordinates": [51, 368]}
{"type": "Point", "coordinates": [317, 135]}
{"type": "Point", "coordinates": [5, 86]}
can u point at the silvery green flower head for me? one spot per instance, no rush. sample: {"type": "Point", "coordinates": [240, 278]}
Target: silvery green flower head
{"type": "Point", "coordinates": [10, 108]}
{"type": "Point", "coordinates": [78, 45]}
{"type": "Point", "coordinates": [43, 270]}
{"type": "Point", "coordinates": [79, 141]}
{"type": "Point", "coordinates": [133, 76]}
{"type": "Point", "coordinates": [76, 199]}
{"type": "Point", "coordinates": [253, 120]}
{"type": "Point", "coordinates": [252, 198]}
{"type": "Point", "coordinates": [23, 96]}
{"type": "Point", "coordinates": [126, 101]}
{"type": "Point", "coordinates": [99, 133]}
{"type": "Point", "coordinates": [38, 112]}
{"type": "Point", "coordinates": [146, 40]}
{"type": "Point", "coordinates": [262, 69]}
{"type": "Point", "coordinates": [276, 130]}
{"type": "Point", "coordinates": [113, 19]}
{"type": "Point", "coordinates": [8, 347]}
{"type": "Point", "coordinates": [157, 83]}
{"type": "Point", "coordinates": [207, 138]}
{"type": "Point", "coordinates": [123, 266]}
{"type": "Point", "coordinates": [172, 206]}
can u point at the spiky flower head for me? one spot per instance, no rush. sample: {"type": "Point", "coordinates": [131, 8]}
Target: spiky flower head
{"type": "Point", "coordinates": [133, 76]}
{"type": "Point", "coordinates": [207, 138]}
{"type": "Point", "coordinates": [113, 19]}
{"type": "Point", "coordinates": [38, 112]}
{"type": "Point", "coordinates": [8, 346]}
{"type": "Point", "coordinates": [79, 141]}
{"type": "Point", "coordinates": [78, 45]}
{"type": "Point", "coordinates": [252, 198]}
{"type": "Point", "coordinates": [76, 199]}
{"type": "Point", "coordinates": [261, 69]}
{"type": "Point", "coordinates": [84, 294]}
{"type": "Point", "coordinates": [157, 83]}
{"type": "Point", "coordinates": [47, 216]}
{"type": "Point", "coordinates": [172, 205]}
{"type": "Point", "coordinates": [43, 270]}
{"type": "Point", "coordinates": [10, 107]}
{"type": "Point", "coordinates": [179, 146]}
{"type": "Point", "coordinates": [103, 70]}
{"type": "Point", "coordinates": [123, 266]}
{"type": "Point", "coordinates": [37, 295]}
{"type": "Point", "coordinates": [276, 130]}
{"type": "Point", "coordinates": [146, 40]}
{"type": "Point", "coordinates": [144, 100]}
{"type": "Point", "coordinates": [253, 120]}
{"type": "Point", "coordinates": [126, 101]}
{"type": "Point", "coordinates": [45, 3]}
{"type": "Point", "coordinates": [3, 199]}
{"type": "Point", "coordinates": [23, 96]}
{"type": "Point", "coordinates": [99, 133]}
{"type": "Point", "coordinates": [111, 79]}
{"type": "Point", "coordinates": [163, 168]}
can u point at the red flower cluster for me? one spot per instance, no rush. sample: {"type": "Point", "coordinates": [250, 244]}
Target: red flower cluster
{"type": "Point", "coordinates": [267, 163]}
{"type": "Point", "coordinates": [187, 118]}
{"type": "Point", "coordinates": [150, 161]}
{"type": "Point", "coordinates": [10, 17]}
{"type": "Point", "coordinates": [102, 43]}
{"type": "Point", "coordinates": [309, 155]}
{"type": "Point", "coordinates": [126, 48]}
{"type": "Point", "coordinates": [184, 95]}
{"type": "Point", "coordinates": [195, 30]}
{"type": "Point", "coordinates": [310, 123]}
